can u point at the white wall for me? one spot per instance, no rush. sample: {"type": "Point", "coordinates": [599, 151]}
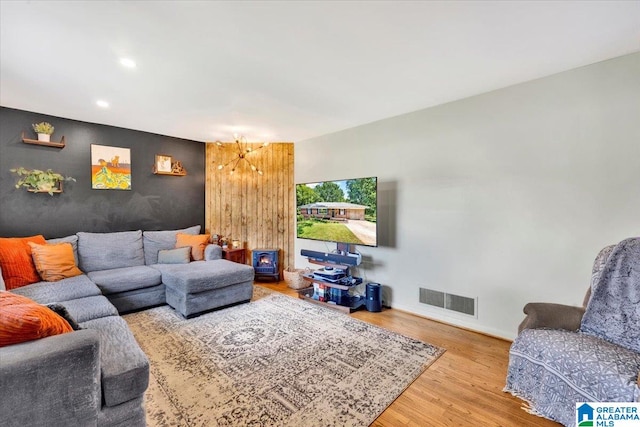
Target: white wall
{"type": "Point", "coordinates": [506, 196]}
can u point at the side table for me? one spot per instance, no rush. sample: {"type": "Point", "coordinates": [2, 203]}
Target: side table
{"type": "Point", "coordinates": [238, 255]}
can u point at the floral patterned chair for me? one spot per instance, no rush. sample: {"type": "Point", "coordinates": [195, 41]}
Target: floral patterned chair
{"type": "Point", "coordinates": [565, 355]}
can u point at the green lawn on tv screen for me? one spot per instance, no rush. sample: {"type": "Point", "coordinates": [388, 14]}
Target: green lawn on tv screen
{"type": "Point", "coordinates": [329, 231]}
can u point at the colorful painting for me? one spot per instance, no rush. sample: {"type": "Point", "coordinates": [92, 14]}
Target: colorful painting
{"type": "Point", "coordinates": [110, 168]}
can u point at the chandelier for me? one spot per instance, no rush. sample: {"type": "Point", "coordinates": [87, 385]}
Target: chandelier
{"type": "Point", "coordinates": [242, 150]}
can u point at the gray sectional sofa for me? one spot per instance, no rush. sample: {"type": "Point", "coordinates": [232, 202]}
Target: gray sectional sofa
{"type": "Point", "coordinates": [98, 375]}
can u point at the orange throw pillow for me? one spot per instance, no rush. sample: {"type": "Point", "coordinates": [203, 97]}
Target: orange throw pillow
{"type": "Point", "coordinates": [197, 242]}
{"type": "Point", "coordinates": [22, 319]}
{"type": "Point", "coordinates": [16, 263]}
{"type": "Point", "coordinates": [54, 261]}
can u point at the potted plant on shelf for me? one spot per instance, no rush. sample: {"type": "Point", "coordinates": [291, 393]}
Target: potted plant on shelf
{"type": "Point", "coordinates": [38, 181]}
{"type": "Point", "coordinates": [44, 131]}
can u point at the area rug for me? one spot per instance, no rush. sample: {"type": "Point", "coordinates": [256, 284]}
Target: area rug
{"type": "Point", "coordinates": [276, 361]}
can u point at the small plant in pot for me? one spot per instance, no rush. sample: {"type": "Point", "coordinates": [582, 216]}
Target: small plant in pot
{"type": "Point", "coordinates": [44, 131]}
{"type": "Point", "coordinates": [39, 181]}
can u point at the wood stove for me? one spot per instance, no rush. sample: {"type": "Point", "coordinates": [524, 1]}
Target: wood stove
{"type": "Point", "coordinates": [265, 264]}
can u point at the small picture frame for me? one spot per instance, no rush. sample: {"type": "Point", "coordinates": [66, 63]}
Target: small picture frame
{"type": "Point", "coordinates": [163, 163]}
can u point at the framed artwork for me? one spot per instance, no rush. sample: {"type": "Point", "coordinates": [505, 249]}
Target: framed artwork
{"type": "Point", "coordinates": [163, 163]}
{"type": "Point", "coordinates": [110, 168]}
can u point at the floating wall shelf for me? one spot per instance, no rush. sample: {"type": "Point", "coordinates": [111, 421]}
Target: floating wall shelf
{"type": "Point", "coordinates": [58, 189]}
{"type": "Point", "coordinates": [169, 173]}
{"type": "Point", "coordinates": [60, 144]}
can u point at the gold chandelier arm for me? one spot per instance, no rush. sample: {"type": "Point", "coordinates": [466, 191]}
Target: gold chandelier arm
{"type": "Point", "coordinates": [249, 150]}
{"type": "Point", "coordinates": [253, 167]}
{"type": "Point", "coordinates": [239, 146]}
{"type": "Point", "coordinates": [233, 169]}
{"type": "Point", "coordinates": [221, 166]}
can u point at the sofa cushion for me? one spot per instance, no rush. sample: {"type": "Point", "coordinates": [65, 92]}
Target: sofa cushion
{"type": "Point", "coordinates": [54, 261]}
{"type": "Point", "coordinates": [16, 263]}
{"type": "Point", "coordinates": [174, 256]}
{"type": "Point", "coordinates": [125, 279]}
{"type": "Point", "coordinates": [104, 251]}
{"type": "Point", "coordinates": [200, 276]}
{"type": "Point", "coordinates": [155, 241]}
{"type": "Point", "coordinates": [89, 308]}
{"type": "Point", "coordinates": [124, 367]}
{"type": "Point", "coordinates": [22, 319]}
{"type": "Point", "coordinates": [197, 243]}
{"type": "Point", "coordinates": [63, 290]}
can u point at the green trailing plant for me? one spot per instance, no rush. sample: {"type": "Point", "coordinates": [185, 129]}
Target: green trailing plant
{"type": "Point", "coordinates": [39, 181]}
{"type": "Point", "coordinates": [43, 127]}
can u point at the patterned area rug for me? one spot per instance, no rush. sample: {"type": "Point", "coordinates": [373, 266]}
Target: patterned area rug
{"type": "Point", "coordinates": [276, 361]}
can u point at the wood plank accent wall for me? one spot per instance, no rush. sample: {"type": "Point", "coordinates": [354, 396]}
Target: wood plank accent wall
{"type": "Point", "coordinates": [257, 210]}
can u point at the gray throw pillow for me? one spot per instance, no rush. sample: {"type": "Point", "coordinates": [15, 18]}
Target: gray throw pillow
{"type": "Point", "coordinates": [175, 256]}
{"type": "Point", "coordinates": [155, 241]}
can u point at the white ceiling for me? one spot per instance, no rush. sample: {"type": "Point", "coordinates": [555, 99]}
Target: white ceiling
{"type": "Point", "coordinates": [288, 71]}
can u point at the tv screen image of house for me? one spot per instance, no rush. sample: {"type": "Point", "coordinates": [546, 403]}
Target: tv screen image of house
{"type": "Point", "coordinates": [343, 211]}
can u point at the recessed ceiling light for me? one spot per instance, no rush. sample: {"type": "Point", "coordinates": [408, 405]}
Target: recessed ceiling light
{"type": "Point", "coordinates": [102, 104]}
{"type": "Point", "coordinates": [127, 62]}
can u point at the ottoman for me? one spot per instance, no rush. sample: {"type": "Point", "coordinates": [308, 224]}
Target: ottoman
{"type": "Point", "coordinates": [199, 286]}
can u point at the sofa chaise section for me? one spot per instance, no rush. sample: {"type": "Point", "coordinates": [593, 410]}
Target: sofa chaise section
{"type": "Point", "coordinates": [205, 285]}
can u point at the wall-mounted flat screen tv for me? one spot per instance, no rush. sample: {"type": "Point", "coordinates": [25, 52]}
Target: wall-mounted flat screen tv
{"type": "Point", "coordinates": [342, 211]}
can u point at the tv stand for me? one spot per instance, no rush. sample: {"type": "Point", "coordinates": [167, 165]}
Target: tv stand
{"type": "Point", "coordinates": [334, 295]}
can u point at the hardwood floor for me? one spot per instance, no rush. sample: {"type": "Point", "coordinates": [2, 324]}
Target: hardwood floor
{"type": "Point", "coordinates": [462, 388]}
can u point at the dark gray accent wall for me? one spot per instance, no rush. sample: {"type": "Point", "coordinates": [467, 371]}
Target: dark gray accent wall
{"type": "Point", "coordinates": [155, 202]}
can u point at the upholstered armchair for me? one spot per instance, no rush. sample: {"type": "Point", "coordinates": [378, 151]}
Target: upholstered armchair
{"type": "Point", "coordinates": [565, 354]}
{"type": "Point", "coordinates": [559, 316]}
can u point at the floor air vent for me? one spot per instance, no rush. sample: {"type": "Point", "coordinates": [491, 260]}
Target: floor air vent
{"type": "Point", "coordinates": [457, 303]}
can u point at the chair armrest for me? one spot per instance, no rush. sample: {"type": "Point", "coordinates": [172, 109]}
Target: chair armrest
{"type": "Point", "coordinates": [51, 381]}
{"type": "Point", "coordinates": [553, 316]}
{"type": "Point", "coordinates": [212, 252]}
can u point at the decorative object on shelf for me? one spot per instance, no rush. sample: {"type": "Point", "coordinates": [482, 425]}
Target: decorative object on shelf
{"type": "Point", "coordinates": [44, 131]}
{"type": "Point", "coordinates": [38, 181]}
{"type": "Point", "coordinates": [163, 163]}
{"type": "Point", "coordinates": [110, 168]}
{"type": "Point", "coordinates": [235, 244]}
{"type": "Point", "coordinates": [242, 148]}
{"type": "Point", "coordinates": [177, 168]}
